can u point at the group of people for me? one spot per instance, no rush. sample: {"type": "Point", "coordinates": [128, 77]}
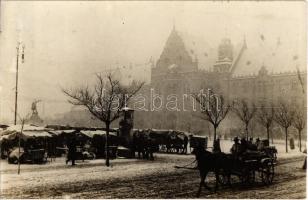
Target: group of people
{"type": "Point", "coordinates": [241, 146]}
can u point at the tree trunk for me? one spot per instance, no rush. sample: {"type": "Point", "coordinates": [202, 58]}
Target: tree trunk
{"type": "Point", "coordinates": [268, 134]}
{"type": "Point", "coordinates": [216, 147]}
{"type": "Point", "coordinates": [209, 129]}
{"type": "Point", "coordinates": [272, 136]}
{"type": "Point", "coordinates": [107, 144]}
{"type": "Point", "coordinates": [246, 129]}
{"type": "Point", "coordinates": [300, 140]}
{"type": "Point", "coordinates": [286, 132]}
{"type": "Point", "coordinates": [215, 132]}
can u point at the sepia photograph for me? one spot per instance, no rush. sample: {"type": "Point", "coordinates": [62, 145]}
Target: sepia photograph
{"type": "Point", "coordinates": [153, 99]}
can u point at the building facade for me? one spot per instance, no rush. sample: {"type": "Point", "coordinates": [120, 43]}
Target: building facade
{"type": "Point", "coordinates": [177, 72]}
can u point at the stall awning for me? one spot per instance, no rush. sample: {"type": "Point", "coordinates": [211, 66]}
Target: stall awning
{"type": "Point", "coordinates": [27, 127]}
{"type": "Point", "coordinates": [97, 132]}
{"type": "Point", "coordinates": [58, 132]}
{"type": "Point", "coordinates": [37, 134]}
{"type": "Point", "coordinates": [25, 135]}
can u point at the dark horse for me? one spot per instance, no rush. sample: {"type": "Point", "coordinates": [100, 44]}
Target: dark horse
{"type": "Point", "coordinates": [211, 162]}
{"type": "Point", "coordinates": [144, 145]}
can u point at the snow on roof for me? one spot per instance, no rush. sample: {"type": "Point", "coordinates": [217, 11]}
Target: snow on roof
{"type": "Point", "coordinates": [27, 127]}
{"type": "Point", "coordinates": [198, 48]}
{"type": "Point", "coordinates": [58, 132]}
{"type": "Point", "coordinates": [97, 132]}
{"type": "Point", "coordinates": [10, 135]}
{"type": "Point", "coordinates": [37, 134]}
{"type": "Point", "coordinates": [276, 59]}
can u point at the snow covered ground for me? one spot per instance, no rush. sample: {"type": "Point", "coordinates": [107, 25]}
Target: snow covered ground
{"type": "Point", "coordinates": [133, 178]}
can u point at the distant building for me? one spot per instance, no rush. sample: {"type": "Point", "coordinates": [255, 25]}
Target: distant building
{"type": "Point", "coordinates": [186, 66]}
{"type": "Point", "coordinates": [177, 72]}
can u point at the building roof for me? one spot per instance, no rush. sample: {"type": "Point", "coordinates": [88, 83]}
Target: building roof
{"type": "Point", "coordinates": [198, 48]}
{"type": "Point", "coordinates": [248, 56]}
{"type": "Point", "coordinates": [276, 58]}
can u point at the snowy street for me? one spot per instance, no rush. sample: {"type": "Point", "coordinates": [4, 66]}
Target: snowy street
{"type": "Point", "coordinates": [142, 179]}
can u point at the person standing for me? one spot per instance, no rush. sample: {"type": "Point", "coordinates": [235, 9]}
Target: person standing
{"type": "Point", "coordinates": [71, 156]}
{"type": "Point", "coordinates": [185, 145]}
{"type": "Point", "coordinates": [235, 149]}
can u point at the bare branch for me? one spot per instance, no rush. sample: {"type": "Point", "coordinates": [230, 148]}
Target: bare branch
{"type": "Point", "coordinates": [213, 109]}
{"type": "Point", "coordinates": [244, 112]}
{"type": "Point", "coordinates": [266, 115]}
{"type": "Point", "coordinates": [300, 119]}
{"type": "Point", "coordinates": [106, 92]}
{"type": "Point", "coordinates": [284, 114]}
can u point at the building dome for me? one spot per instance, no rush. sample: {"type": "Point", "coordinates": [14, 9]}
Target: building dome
{"type": "Point", "coordinates": [263, 71]}
{"type": "Point", "coordinates": [225, 49]}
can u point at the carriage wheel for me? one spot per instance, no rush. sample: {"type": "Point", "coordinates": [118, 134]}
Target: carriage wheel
{"type": "Point", "coordinates": [248, 176]}
{"type": "Point", "coordinates": [223, 179]}
{"type": "Point", "coordinates": [92, 155]}
{"type": "Point", "coordinates": [267, 174]}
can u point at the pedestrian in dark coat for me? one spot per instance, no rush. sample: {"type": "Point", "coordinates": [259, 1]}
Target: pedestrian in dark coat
{"type": "Point", "coordinates": [185, 145]}
{"type": "Point", "coordinates": [71, 156]}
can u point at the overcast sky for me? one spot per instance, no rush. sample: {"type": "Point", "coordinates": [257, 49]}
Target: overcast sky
{"type": "Point", "coordinates": [67, 42]}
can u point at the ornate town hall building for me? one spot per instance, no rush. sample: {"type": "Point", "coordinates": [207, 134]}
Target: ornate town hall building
{"type": "Point", "coordinates": [180, 70]}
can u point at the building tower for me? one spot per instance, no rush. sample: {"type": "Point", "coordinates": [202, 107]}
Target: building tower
{"type": "Point", "coordinates": [174, 57]}
{"type": "Point", "coordinates": [225, 56]}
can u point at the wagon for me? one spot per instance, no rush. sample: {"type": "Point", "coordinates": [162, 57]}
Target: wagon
{"type": "Point", "coordinates": [168, 141]}
{"type": "Point", "coordinates": [33, 156]}
{"type": "Point", "coordinates": [270, 151]}
{"type": "Point", "coordinates": [195, 141]}
{"type": "Point", "coordinates": [250, 167]}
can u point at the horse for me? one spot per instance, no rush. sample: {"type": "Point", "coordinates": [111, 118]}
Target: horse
{"type": "Point", "coordinates": [211, 162]}
{"type": "Point", "coordinates": [138, 144]}
{"type": "Point", "coordinates": [145, 145]}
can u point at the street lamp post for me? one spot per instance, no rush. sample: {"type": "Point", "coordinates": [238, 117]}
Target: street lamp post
{"type": "Point", "coordinates": [16, 84]}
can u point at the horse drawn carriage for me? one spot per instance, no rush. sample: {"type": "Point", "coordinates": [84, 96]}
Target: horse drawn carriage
{"type": "Point", "coordinates": [248, 167]}
{"type": "Point", "coordinates": [169, 141]}
{"type": "Point", "coordinates": [270, 151]}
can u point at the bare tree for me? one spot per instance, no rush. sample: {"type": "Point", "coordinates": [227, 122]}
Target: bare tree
{"type": "Point", "coordinates": [284, 116]}
{"type": "Point", "coordinates": [105, 101]}
{"type": "Point", "coordinates": [214, 110]}
{"type": "Point", "coordinates": [299, 123]}
{"type": "Point", "coordinates": [251, 128]}
{"type": "Point", "coordinates": [244, 112]}
{"type": "Point", "coordinates": [266, 117]}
